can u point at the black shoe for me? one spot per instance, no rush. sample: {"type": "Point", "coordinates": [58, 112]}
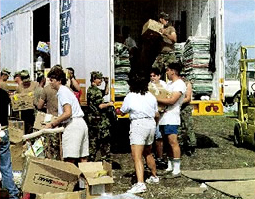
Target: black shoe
{"type": "Point", "coordinates": [161, 164]}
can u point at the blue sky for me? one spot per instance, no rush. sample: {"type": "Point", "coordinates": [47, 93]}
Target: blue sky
{"type": "Point", "coordinates": [239, 18]}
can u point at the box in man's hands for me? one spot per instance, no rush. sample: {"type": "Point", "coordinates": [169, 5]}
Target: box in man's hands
{"type": "Point", "coordinates": [152, 29]}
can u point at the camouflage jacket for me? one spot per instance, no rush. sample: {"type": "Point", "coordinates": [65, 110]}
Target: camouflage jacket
{"type": "Point", "coordinates": [94, 99]}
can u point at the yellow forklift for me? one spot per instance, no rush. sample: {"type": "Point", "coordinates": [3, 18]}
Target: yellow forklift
{"type": "Point", "coordinates": [244, 129]}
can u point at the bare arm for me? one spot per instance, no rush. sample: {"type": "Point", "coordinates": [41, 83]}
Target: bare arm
{"type": "Point", "coordinates": [188, 94]}
{"type": "Point", "coordinates": [40, 104]}
{"type": "Point", "coordinates": [170, 101]}
{"type": "Point", "coordinates": [105, 105]}
{"type": "Point", "coordinates": [172, 36]}
{"type": "Point", "coordinates": [106, 89]}
{"type": "Point", "coordinates": [67, 113]}
{"type": "Point", "coordinates": [75, 84]}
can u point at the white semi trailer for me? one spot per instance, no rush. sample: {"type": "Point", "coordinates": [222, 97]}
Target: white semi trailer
{"type": "Point", "coordinates": [81, 35]}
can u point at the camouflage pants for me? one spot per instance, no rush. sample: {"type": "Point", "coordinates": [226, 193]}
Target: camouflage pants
{"type": "Point", "coordinates": [99, 140]}
{"type": "Point", "coordinates": [163, 60]}
{"type": "Point", "coordinates": [188, 136]}
{"type": "Point", "coordinates": [52, 146]}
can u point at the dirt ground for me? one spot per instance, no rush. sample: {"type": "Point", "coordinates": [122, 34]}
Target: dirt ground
{"type": "Point", "coordinates": [215, 150]}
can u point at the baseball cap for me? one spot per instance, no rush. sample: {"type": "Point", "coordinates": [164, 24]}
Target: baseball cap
{"type": "Point", "coordinates": [25, 76]}
{"type": "Point", "coordinates": [5, 71]}
{"type": "Point", "coordinates": [96, 75]}
{"type": "Point", "coordinates": [164, 15]}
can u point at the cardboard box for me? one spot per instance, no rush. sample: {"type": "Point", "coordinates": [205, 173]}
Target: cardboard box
{"type": "Point", "coordinates": [152, 29]}
{"type": "Point", "coordinates": [41, 176]}
{"type": "Point", "coordinates": [66, 195]}
{"type": "Point", "coordinates": [22, 101]}
{"type": "Point", "coordinates": [158, 91]}
{"type": "Point", "coordinates": [16, 130]}
{"type": "Point", "coordinates": [98, 176]}
{"type": "Point", "coordinates": [17, 156]}
{"type": "Point", "coordinates": [42, 119]}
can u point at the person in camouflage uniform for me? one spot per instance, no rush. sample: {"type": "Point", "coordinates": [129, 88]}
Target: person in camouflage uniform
{"type": "Point", "coordinates": [187, 132]}
{"type": "Point", "coordinates": [98, 122]}
{"type": "Point", "coordinates": [169, 37]}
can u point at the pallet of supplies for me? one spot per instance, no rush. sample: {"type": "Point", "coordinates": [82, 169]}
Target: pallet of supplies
{"type": "Point", "coordinates": [41, 176]}
{"type": "Point", "coordinates": [22, 101]}
{"type": "Point", "coordinates": [98, 176]}
{"type": "Point", "coordinates": [152, 29]}
{"type": "Point", "coordinates": [42, 119]}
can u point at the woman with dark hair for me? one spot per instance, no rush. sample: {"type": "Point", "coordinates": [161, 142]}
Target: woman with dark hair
{"type": "Point", "coordinates": [75, 142]}
{"type": "Point", "coordinates": [142, 107]}
{"type": "Point", "coordinates": [73, 83]}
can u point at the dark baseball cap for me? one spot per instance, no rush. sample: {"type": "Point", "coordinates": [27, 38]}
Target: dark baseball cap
{"type": "Point", "coordinates": [164, 15]}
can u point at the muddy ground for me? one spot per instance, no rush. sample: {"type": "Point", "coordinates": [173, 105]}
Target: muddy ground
{"type": "Point", "coordinates": [215, 151]}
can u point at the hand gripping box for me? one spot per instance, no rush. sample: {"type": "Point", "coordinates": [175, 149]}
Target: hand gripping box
{"type": "Point", "coordinates": [42, 119]}
{"type": "Point", "coordinates": [41, 176]}
{"type": "Point", "coordinates": [98, 176]}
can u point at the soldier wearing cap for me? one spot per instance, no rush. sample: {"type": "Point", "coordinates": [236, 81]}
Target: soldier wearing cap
{"type": "Point", "coordinates": [169, 38]}
{"type": "Point", "coordinates": [27, 86]}
{"type": "Point", "coordinates": [99, 123]}
{"type": "Point", "coordinates": [17, 78]}
{"type": "Point", "coordinates": [5, 73]}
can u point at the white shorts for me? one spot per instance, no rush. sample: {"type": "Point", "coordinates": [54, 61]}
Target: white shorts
{"type": "Point", "coordinates": [75, 139]}
{"type": "Point", "coordinates": [142, 131]}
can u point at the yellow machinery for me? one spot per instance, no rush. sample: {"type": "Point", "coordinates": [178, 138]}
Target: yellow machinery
{"type": "Point", "coordinates": [244, 129]}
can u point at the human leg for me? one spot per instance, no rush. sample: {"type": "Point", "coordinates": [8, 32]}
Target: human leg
{"type": "Point", "coordinates": [137, 151]}
{"type": "Point", "coordinates": [6, 168]}
{"type": "Point", "coordinates": [105, 144]}
{"type": "Point", "coordinates": [172, 139]}
{"type": "Point", "coordinates": [150, 159]}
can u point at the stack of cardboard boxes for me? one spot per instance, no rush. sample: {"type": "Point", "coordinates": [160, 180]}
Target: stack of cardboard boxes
{"type": "Point", "coordinates": [56, 179]}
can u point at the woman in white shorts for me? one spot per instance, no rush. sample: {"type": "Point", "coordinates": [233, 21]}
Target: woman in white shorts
{"type": "Point", "coordinates": [142, 107]}
{"type": "Point", "coordinates": [75, 142]}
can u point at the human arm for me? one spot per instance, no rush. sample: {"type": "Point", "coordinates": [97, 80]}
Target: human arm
{"type": "Point", "coordinates": [106, 89]}
{"type": "Point", "coordinates": [40, 104]}
{"type": "Point", "coordinates": [172, 100]}
{"type": "Point", "coordinates": [75, 84]}
{"type": "Point", "coordinates": [105, 105]}
{"type": "Point", "coordinates": [67, 113]}
{"type": "Point", "coordinates": [172, 35]}
{"type": "Point", "coordinates": [188, 94]}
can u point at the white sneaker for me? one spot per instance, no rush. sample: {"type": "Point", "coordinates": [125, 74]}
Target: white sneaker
{"type": "Point", "coordinates": [169, 166]}
{"type": "Point", "coordinates": [152, 180]}
{"type": "Point", "coordinates": [137, 188]}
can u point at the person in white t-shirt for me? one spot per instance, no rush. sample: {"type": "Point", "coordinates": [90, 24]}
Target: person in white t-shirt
{"type": "Point", "coordinates": [170, 120]}
{"type": "Point", "coordinates": [155, 86]}
{"type": "Point", "coordinates": [142, 108]}
{"type": "Point", "coordinates": [75, 142]}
